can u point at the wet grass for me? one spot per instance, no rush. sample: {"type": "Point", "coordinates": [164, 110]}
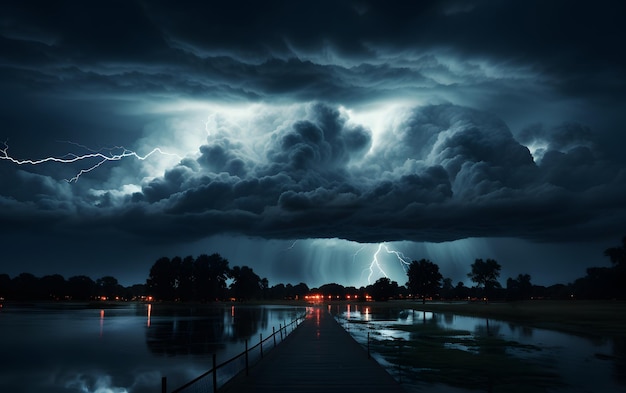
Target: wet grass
{"type": "Point", "coordinates": [485, 363]}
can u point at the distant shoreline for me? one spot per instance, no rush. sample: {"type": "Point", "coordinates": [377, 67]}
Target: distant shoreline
{"type": "Point", "coordinates": [582, 317]}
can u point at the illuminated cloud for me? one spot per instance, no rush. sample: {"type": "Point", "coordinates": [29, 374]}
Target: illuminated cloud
{"type": "Point", "coordinates": [438, 173]}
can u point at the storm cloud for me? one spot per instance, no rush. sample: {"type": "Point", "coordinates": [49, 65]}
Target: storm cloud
{"type": "Point", "coordinates": [359, 120]}
{"type": "Point", "coordinates": [439, 173]}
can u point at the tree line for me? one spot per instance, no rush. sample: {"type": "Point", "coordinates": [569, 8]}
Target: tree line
{"type": "Point", "coordinates": [208, 278]}
{"type": "Point", "coordinates": [599, 282]}
{"type": "Point", "coordinates": [27, 286]}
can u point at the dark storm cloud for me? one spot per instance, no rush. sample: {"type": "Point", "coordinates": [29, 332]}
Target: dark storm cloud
{"type": "Point", "coordinates": [338, 50]}
{"type": "Point", "coordinates": [539, 157]}
{"type": "Point", "coordinates": [458, 173]}
{"type": "Point", "coordinates": [451, 173]}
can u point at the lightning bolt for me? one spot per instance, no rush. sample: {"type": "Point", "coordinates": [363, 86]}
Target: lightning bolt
{"type": "Point", "coordinates": [357, 253]}
{"type": "Point", "coordinates": [103, 155]}
{"type": "Point", "coordinates": [292, 245]}
{"type": "Point", "coordinates": [375, 263]}
{"type": "Point", "coordinates": [404, 261]}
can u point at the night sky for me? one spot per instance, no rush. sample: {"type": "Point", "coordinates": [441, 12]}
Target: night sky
{"type": "Point", "coordinates": [297, 136]}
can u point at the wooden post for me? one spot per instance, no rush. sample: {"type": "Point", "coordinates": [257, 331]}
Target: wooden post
{"type": "Point", "coordinates": [214, 373]}
{"type": "Point", "coordinates": [247, 369]}
{"type": "Point", "coordinates": [163, 384]}
{"type": "Point", "coordinates": [280, 328]}
{"type": "Point", "coordinates": [274, 335]}
{"type": "Point", "coordinates": [368, 345]}
{"type": "Point", "coordinates": [261, 343]}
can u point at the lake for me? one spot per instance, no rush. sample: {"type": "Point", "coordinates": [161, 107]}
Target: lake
{"type": "Point", "coordinates": [125, 347]}
{"type": "Point", "coordinates": [441, 352]}
{"type": "Point", "coordinates": [128, 347]}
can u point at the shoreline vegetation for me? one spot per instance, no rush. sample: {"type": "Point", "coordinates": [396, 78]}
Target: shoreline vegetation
{"type": "Point", "coordinates": [582, 317]}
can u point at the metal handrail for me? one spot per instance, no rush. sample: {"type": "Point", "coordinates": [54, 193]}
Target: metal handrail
{"type": "Point", "coordinates": [213, 370]}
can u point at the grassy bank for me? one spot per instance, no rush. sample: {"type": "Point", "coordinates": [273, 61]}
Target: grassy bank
{"type": "Point", "coordinates": [581, 317]}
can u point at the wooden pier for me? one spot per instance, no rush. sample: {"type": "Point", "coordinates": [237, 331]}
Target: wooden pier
{"type": "Point", "coordinates": [319, 356]}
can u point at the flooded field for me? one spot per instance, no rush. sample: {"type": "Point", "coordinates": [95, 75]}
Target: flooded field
{"type": "Point", "coordinates": [442, 352]}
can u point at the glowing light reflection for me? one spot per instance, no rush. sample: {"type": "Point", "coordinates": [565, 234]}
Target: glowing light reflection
{"type": "Point", "coordinates": [101, 322]}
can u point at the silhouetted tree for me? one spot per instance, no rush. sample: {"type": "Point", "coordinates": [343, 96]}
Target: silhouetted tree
{"type": "Point", "coordinates": [403, 291]}
{"type": "Point", "coordinates": [519, 288]}
{"type": "Point", "coordinates": [247, 284]}
{"type": "Point", "coordinates": [597, 284]}
{"type": "Point", "coordinates": [461, 291]}
{"type": "Point", "coordinates": [210, 275]}
{"type": "Point", "coordinates": [265, 286]}
{"type": "Point", "coordinates": [485, 274]}
{"type": "Point", "coordinates": [80, 287]}
{"type": "Point", "coordinates": [447, 289]}
{"type": "Point", "coordinates": [5, 285]}
{"type": "Point", "coordinates": [109, 287]}
{"type": "Point", "coordinates": [278, 291]}
{"type": "Point", "coordinates": [384, 289]}
{"type": "Point", "coordinates": [352, 292]}
{"type": "Point", "coordinates": [334, 290]}
{"type": "Point", "coordinates": [53, 286]}
{"type": "Point", "coordinates": [136, 291]}
{"type": "Point", "coordinates": [424, 278]}
{"type": "Point", "coordinates": [300, 290]}
{"type": "Point", "coordinates": [184, 278]}
{"type": "Point", "coordinates": [556, 291]}
{"type": "Point", "coordinates": [162, 279]}
{"type": "Point", "coordinates": [26, 287]}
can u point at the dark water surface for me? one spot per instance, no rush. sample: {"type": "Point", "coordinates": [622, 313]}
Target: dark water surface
{"type": "Point", "coordinates": [70, 348]}
{"type": "Point", "coordinates": [441, 352]}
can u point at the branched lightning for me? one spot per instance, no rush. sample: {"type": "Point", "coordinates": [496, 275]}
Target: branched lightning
{"type": "Point", "coordinates": [404, 261]}
{"type": "Point", "coordinates": [375, 263]}
{"type": "Point", "coordinates": [103, 155]}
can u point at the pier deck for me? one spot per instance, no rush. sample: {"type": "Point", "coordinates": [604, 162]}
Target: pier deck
{"type": "Point", "coordinates": [319, 356]}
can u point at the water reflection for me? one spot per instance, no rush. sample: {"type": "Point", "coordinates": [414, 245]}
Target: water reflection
{"type": "Point", "coordinates": [203, 330]}
{"type": "Point", "coordinates": [466, 353]}
{"type": "Point", "coordinates": [72, 348]}
{"type": "Point", "coordinates": [101, 322]}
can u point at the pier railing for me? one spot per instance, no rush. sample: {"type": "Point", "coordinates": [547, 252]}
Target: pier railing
{"type": "Point", "coordinates": [212, 379]}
